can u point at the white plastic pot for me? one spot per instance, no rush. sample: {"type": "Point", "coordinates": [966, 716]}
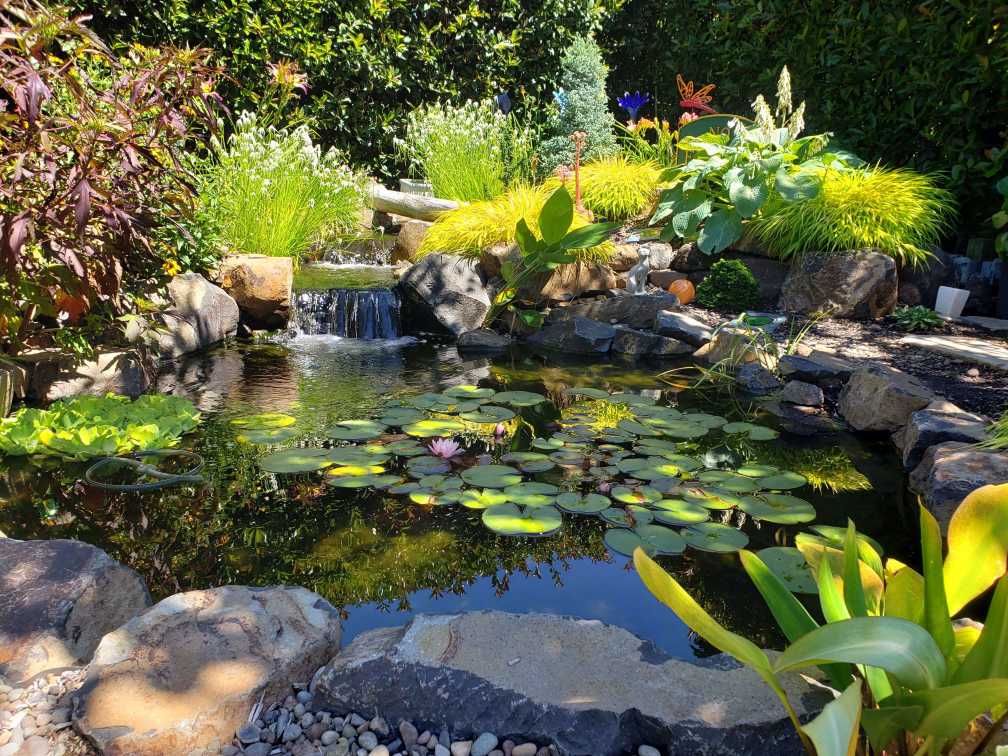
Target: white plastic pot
{"type": "Point", "coordinates": [950, 301]}
{"type": "Point", "coordinates": [412, 186]}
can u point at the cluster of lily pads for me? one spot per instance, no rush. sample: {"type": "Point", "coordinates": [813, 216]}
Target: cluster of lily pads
{"type": "Point", "coordinates": [637, 475]}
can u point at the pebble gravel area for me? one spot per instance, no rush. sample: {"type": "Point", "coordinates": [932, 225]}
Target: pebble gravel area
{"type": "Point", "coordinates": [299, 727]}
{"type": "Point", "coordinates": [975, 388]}
{"type": "Point", "coordinates": [35, 717]}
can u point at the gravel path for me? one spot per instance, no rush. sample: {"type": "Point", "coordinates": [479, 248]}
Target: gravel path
{"type": "Point", "coordinates": [35, 718]}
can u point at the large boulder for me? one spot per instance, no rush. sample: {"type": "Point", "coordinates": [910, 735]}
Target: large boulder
{"type": "Point", "coordinates": [629, 341]}
{"type": "Point", "coordinates": [859, 285]}
{"type": "Point", "coordinates": [57, 599]}
{"type": "Point", "coordinates": [769, 274]}
{"type": "Point", "coordinates": [821, 368]}
{"type": "Point", "coordinates": [568, 282]}
{"type": "Point", "coordinates": [129, 372]}
{"type": "Point", "coordinates": [407, 243]}
{"type": "Point", "coordinates": [625, 309]}
{"type": "Point", "coordinates": [444, 293]}
{"type": "Point", "coordinates": [187, 671]}
{"type": "Point", "coordinates": [679, 325]}
{"type": "Point", "coordinates": [575, 335]}
{"type": "Point", "coordinates": [940, 421]}
{"type": "Point", "coordinates": [948, 472]}
{"type": "Point", "coordinates": [483, 340]}
{"type": "Point", "coordinates": [880, 398]}
{"type": "Point", "coordinates": [200, 315]}
{"type": "Point", "coordinates": [587, 687]}
{"type": "Point", "coordinates": [261, 286]}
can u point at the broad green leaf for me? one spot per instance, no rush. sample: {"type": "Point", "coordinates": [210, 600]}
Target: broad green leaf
{"type": "Point", "coordinates": [904, 650]}
{"type": "Point", "coordinates": [904, 593]}
{"type": "Point", "coordinates": [556, 216]}
{"type": "Point", "coordinates": [721, 230]}
{"type": "Point", "coordinates": [797, 186]}
{"type": "Point", "coordinates": [948, 710]}
{"type": "Point", "coordinates": [977, 545]}
{"type": "Point", "coordinates": [854, 594]}
{"type": "Point", "coordinates": [936, 614]}
{"type": "Point", "coordinates": [830, 599]}
{"type": "Point", "coordinates": [989, 655]}
{"type": "Point", "coordinates": [814, 551]}
{"type": "Point", "coordinates": [748, 194]}
{"type": "Point", "coordinates": [589, 236]}
{"type": "Point", "coordinates": [835, 731]}
{"type": "Point", "coordinates": [692, 210]}
{"type": "Point", "coordinates": [791, 615]}
{"type": "Point", "coordinates": [885, 724]}
{"type": "Point", "coordinates": [527, 241]}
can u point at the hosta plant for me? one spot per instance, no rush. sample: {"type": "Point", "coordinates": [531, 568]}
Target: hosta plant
{"type": "Point", "coordinates": [912, 682]}
{"type": "Point", "coordinates": [917, 318]}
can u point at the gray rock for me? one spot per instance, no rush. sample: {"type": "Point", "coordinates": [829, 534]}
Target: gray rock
{"type": "Point", "coordinates": [57, 599]}
{"type": "Point", "coordinates": [304, 697]}
{"type": "Point", "coordinates": [380, 726]}
{"type": "Point", "coordinates": [461, 748]}
{"type": "Point", "coordinates": [444, 293]}
{"type": "Point", "coordinates": [802, 393]}
{"type": "Point", "coordinates": [860, 285]}
{"type": "Point", "coordinates": [689, 259]}
{"type": "Point", "coordinates": [367, 740]}
{"type": "Point", "coordinates": [329, 737]}
{"type": "Point", "coordinates": [525, 749]}
{"type": "Point", "coordinates": [248, 733]}
{"type": "Point", "coordinates": [625, 309]}
{"type": "Point", "coordinates": [483, 340]}
{"type": "Point", "coordinates": [660, 255]}
{"type": "Point", "coordinates": [816, 367]}
{"type": "Point", "coordinates": [408, 733]}
{"type": "Point", "coordinates": [679, 325]}
{"type": "Point", "coordinates": [928, 276]}
{"type": "Point", "coordinates": [150, 690]}
{"type": "Point", "coordinates": [646, 750]}
{"type": "Point", "coordinates": [737, 346]}
{"type": "Point", "coordinates": [440, 750]}
{"type": "Point", "coordinates": [880, 398]}
{"type": "Point", "coordinates": [13, 384]}
{"type": "Point", "coordinates": [665, 278]}
{"type": "Point", "coordinates": [258, 749]}
{"type": "Point", "coordinates": [712, 707]}
{"type": "Point", "coordinates": [201, 315]}
{"type": "Point", "coordinates": [940, 421]}
{"type": "Point", "coordinates": [484, 744]}
{"type": "Point", "coordinates": [950, 471]}
{"type": "Point", "coordinates": [769, 274]}
{"type": "Point", "coordinates": [632, 342]}
{"type": "Point", "coordinates": [756, 379]}
{"type": "Point", "coordinates": [575, 335]}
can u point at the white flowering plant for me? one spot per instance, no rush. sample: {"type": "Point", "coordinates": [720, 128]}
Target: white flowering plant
{"type": "Point", "coordinates": [467, 152]}
{"type": "Point", "coordinates": [273, 191]}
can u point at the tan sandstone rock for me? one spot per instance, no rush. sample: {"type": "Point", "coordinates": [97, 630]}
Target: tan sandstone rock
{"type": "Point", "coordinates": [880, 398]}
{"type": "Point", "coordinates": [261, 285]}
{"type": "Point", "coordinates": [188, 670]}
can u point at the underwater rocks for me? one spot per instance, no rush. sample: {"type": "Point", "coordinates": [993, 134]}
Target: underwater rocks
{"type": "Point", "coordinates": [543, 677]}
{"type": "Point", "coordinates": [261, 286]}
{"type": "Point", "coordinates": [186, 672]}
{"type": "Point", "coordinates": [950, 471]}
{"type": "Point", "coordinates": [880, 398]}
{"type": "Point", "coordinates": [860, 285]}
{"type": "Point", "coordinates": [444, 293]}
{"type": "Point", "coordinates": [57, 599]}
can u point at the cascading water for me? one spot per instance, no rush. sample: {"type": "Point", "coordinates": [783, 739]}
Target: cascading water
{"type": "Point", "coordinates": [352, 313]}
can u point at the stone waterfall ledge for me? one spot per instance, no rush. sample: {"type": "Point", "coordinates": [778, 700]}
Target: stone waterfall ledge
{"type": "Point", "coordinates": [588, 687]}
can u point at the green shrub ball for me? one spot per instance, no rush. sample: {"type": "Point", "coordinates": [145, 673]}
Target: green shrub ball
{"type": "Point", "coordinates": [730, 286]}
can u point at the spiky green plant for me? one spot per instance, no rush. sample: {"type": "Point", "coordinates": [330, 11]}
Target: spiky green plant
{"type": "Point", "coordinates": [616, 188]}
{"type": "Point", "coordinates": [895, 210]}
{"type": "Point", "coordinates": [470, 229]}
{"type": "Point", "coordinates": [997, 434]}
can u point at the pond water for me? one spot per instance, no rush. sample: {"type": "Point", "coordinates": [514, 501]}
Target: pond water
{"type": "Point", "coordinates": [378, 556]}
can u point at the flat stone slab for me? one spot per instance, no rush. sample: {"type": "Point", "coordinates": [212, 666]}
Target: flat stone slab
{"type": "Point", "coordinates": [994, 325]}
{"type": "Point", "coordinates": [588, 687]}
{"type": "Point", "coordinates": [965, 348]}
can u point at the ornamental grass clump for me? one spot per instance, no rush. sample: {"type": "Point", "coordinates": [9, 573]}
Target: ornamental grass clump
{"type": "Point", "coordinates": [616, 188]}
{"type": "Point", "coordinates": [273, 192]}
{"type": "Point", "coordinates": [895, 210]}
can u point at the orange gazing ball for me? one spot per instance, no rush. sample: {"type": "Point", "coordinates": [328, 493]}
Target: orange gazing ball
{"type": "Point", "coordinates": [682, 289]}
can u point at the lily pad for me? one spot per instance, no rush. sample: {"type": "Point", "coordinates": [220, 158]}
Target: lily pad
{"type": "Point", "coordinates": [296, 461]}
{"type": "Point", "coordinates": [704, 419]}
{"type": "Point", "coordinates": [635, 495]}
{"type": "Point", "coordinates": [683, 429]}
{"type": "Point", "coordinates": [400, 489]}
{"type": "Point", "coordinates": [657, 469]}
{"type": "Point", "coordinates": [427, 498]}
{"type": "Point", "coordinates": [487, 414]}
{"type": "Point", "coordinates": [354, 471]}
{"type": "Point", "coordinates": [548, 444]}
{"type": "Point", "coordinates": [481, 499]}
{"type": "Point", "coordinates": [588, 504]}
{"type": "Point", "coordinates": [264, 421]}
{"type": "Point", "coordinates": [679, 512]}
{"type": "Point", "coordinates": [469, 392]}
{"type": "Point", "coordinates": [711, 497]}
{"type": "Point", "coordinates": [629, 517]}
{"type": "Point", "coordinates": [406, 448]}
{"type": "Point", "coordinates": [491, 476]}
{"type": "Point", "coordinates": [370, 454]}
{"type": "Point", "coordinates": [267, 435]}
{"type": "Point", "coordinates": [530, 462]}
{"type": "Point", "coordinates": [625, 541]}
{"type": "Point", "coordinates": [519, 398]}
{"type": "Point", "coordinates": [591, 393]}
{"type": "Point", "coordinates": [418, 467]}
{"type": "Point", "coordinates": [401, 416]}
{"type": "Point", "coordinates": [357, 430]}
{"type": "Point", "coordinates": [784, 481]}
{"type": "Point", "coordinates": [441, 483]}
{"type": "Point", "coordinates": [754, 432]}
{"type": "Point", "coordinates": [434, 427]}
{"type": "Point", "coordinates": [434, 402]}
{"type": "Point", "coordinates": [366, 481]}
{"type": "Point", "coordinates": [661, 539]}
{"type": "Point", "coordinates": [757, 471]}
{"type": "Point", "coordinates": [534, 487]}
{"type": "Point", "coordinates": [713, 536]}
{"type": "Point", "coordinates": [728, 481]}
{"type": "Point", "coordinates": [780, 509]}
{"type": "Point", "coordinates": [638, 429]}
{"type": "Point", "coordinates": [510, 519]}
{"type": "Point", "coordinates": [788, 564]}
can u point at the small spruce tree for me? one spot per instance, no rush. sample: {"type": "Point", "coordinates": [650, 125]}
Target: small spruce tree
{"type": "Point", "coordinates": [582, 105]}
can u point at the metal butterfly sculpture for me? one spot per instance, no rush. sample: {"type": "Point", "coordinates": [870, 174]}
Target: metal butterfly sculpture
{"type": "Point", "coordinates": [694, 100]}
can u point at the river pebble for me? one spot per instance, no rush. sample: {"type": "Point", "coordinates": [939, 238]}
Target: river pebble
{"type": "Point", "coordinates": [35, 718]}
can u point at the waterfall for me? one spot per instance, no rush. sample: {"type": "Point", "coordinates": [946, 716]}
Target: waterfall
{"type": "Point", "coordinates": [352, 313]}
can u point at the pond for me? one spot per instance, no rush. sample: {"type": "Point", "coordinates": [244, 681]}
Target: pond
{"type": "Point", "coordinates": [379, 556]}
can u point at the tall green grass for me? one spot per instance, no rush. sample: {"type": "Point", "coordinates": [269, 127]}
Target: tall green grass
{"type": "Point", "coordinates": [895, 210]}
{"type": "Point", "coordinates": [273, 192]}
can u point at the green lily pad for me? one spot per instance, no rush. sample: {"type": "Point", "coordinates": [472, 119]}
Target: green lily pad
{"type": "Point", "coordinates": [519, 398]}
{"type": "Point", "coordinates": [683, 429]}
{"type": "Point", "coordinates": [679, 512]}
{"type": "Point", "coordinates": [401, 416]}
{"type": "Point", "coordinates": [629, 517]}
{"type": "Point", "coordinates": [400, 489]}
{"type": "Point", "coordinates": [657, 469]}
{"type": "Point", "coordinates": [728, 481]}
{"type": "Point", "coordinates": [296, 461]}
{"type": "Point", "coordinates": [264, 421]}
{"type": "Point", "coordinates": [588, 504]}
{"type": "Point", "coordinates": [638, 429]}
{"type": "Point", "coordinates": [780, 509]}
{"type": "Point", "coordinates": [434, 427]}
{"type": "Point", "coordinates": [591, 393]}
{"type": "Point", "coordinates": [788, 564]}
{"type": "Point", "coordinates": [427, 498]}
{"type": "Point", "coordinates": [784, 481]}
{"type": "Point", "coordinates": [510, 519]}
{"type": "Point", "coordinates": [481, 499]}
{"type": "Point", "coordinates": [354, 471]}
{"type": "Point", "coordinates": [530, 462]}
{"type": "Point", "coordinates": [625, 541]}
{"type": "Point", "coordinates": [754, 432]}
{"type": "Point", "coordinates": [267, 435]}
{"type": "Point", "coordinates": [661, 539]}
{"type": "Point", "coordinates": [357, 430]}
{"type": "Point", "coordinates": [406, 448]}
{"type": "Point", "coordinates": [632, 400]}
{"type": "Point", "coordinates": [711, 497]}
{"type": "Point", "coordinates": [548, 444]}
{"type": "Point", "coordinates": [655, 446]}
{"type": "Point", "coordinates": [713, 536]}
{"type": "Point", "coordinates": [636, 495]}
{"type": "Point", "coordinates": [704, 419]}
{"type": "Point", "coordinates": [516, 495]}
{"type": "Point", "coordinates": [370, 454]}
{"type": "Point", "coordinates": [366, 481]}
{"type": "Point", "coordinates": [434, 402]}
{"type": "Point", "coordinates": [421, 466]}
{"type": "Point", "coordinates": [469, 392]}
{"type": "Point", "coordinates": [488, 414]}
{"type": "Point", "coordinates": [491, 476]}
{"type": "Point", "coordinates": [534, 487]}
{"type": "Point", "coordinates": [757, 470]}
{"type": "Point", "coordinates": [441, 483]}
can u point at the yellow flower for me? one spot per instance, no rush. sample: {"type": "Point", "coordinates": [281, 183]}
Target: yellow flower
{"type": "Point", "coordinates": [171, 267]}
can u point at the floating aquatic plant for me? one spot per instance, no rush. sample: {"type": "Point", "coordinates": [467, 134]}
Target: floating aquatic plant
{"type": "Point", "coordinates": [445, 448]}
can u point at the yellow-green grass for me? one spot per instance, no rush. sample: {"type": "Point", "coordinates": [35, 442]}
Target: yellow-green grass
{"type": "Point", "coordinates": [616, 189]}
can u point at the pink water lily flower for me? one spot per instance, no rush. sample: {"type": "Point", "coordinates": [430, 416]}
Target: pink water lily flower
{"type": "Point", "coordinates": [445, 448]}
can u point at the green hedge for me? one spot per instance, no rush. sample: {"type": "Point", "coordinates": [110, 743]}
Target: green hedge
{"type": "Point", "coordinates": [923, 85]}
{"type": "Point", "coordinates": [368, 61]}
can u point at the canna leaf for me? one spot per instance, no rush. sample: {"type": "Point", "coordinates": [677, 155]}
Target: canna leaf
{"type": "Point", "coordinates": [904, 592]}
{"type": "Point", "coordinates": [947, 711]}
{"type": "Point", "coordinates": [830, 599]}
{"type": "Point", "coordinates": [556, 216]}
{"type": "Point", "coordinates": [977, 545]}
{"type": "Point", "coordinates": [853, 590]}
{"type": "Point", "coordinates": [589, 236]}
{"type": "Point", "coordinates": [936, 614]}
{"type": "Point", "coordinates": [885, 724]}
{"type": "Point", "coordinates": [989, 656]}
{"type": "Point", "coordinates": [791, 615]}
{"type": "Point", "coordinates": [835, 731]}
